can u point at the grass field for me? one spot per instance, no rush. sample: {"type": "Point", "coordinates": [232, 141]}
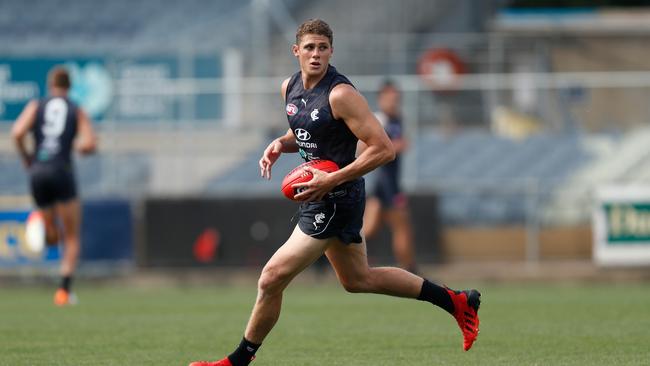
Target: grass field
{"type": "Point", "coordinates": [323, 325]}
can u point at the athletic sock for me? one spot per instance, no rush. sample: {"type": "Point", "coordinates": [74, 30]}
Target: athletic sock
{"type": "Point", "coordinates": [66, 283]}
{"type": "Point", "coordinates": [244, 353]}
{"type": "Point", "coordinates": [436, 295]}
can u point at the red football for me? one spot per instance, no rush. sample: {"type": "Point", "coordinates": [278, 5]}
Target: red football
{"type": "Point", "coordinates": [299, 175]}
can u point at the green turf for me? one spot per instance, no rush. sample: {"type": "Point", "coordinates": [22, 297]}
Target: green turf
{"type": "Point", "coordinates": [323, 325]}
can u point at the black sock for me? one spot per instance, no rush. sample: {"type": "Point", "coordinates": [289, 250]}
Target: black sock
{"type": "Point", "coordinates": [436, 295]}
{"type": "Point", "coordinates": [66, 283]}
{"type": "Point", "coordinates": [244, 353]}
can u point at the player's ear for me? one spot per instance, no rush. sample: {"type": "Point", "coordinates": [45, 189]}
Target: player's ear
{"type": "Point", "coordinates": [295, 50]}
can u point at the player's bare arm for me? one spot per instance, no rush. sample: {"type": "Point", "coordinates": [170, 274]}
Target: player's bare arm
{"type": "Point", "coordinates": [20, 129]}
{"type": "Point", "coordinates": [399, 145]}
{"type": "Point", "coordinates": [350, 106]}
{"type": "Point", "coordinates": [87, 140]}
{"type": "Point", "coordinates": [283, 144]}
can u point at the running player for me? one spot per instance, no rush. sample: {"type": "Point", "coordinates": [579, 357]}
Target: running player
{"type": "Point", "coordinates": [55, 122]}
{"type": "Point", "coordinates": [386, 202]}
{"type": "Point", "coordinates": [327, 116]}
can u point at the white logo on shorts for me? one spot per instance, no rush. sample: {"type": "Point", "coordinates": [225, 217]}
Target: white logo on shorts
{"type": "Point", "coordinates": [318, 219]}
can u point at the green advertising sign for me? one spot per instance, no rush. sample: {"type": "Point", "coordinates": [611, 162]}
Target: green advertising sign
{"type": "Point", "coordinates": [627, 223]}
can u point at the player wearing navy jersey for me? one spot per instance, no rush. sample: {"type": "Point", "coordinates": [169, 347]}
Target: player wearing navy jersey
{"type": "Point", "coordinates": [386, 202]}
{"type": "Point", "coordinates": [327, 116]}
{"type": "Point", "coordinates": [56, 125]}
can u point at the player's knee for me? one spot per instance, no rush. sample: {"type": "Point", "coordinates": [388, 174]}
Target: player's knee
{"type": "Point", "coordinates": [51, 233]}
{"type": "Point", "coordinates": [354, 285]}
{"type": "Point", "coordinates": [272, 280]}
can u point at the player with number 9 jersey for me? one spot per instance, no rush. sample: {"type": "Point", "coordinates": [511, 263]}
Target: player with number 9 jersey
{"type": "Point", "coordinates": [51, 170]}
{"type": "Point", "coordinates": [56, 125]}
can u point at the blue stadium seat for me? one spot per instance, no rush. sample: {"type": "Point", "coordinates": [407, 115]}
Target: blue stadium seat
{"type": "Point", "coordinates": [106, 23]}
{"type": "Point", "coordinates": [13, 180]}
{"type": "Point", "coordinates": [478, 156]}
{"type": "Point", "coordinates": [116, 174]}
{"type": "Point", "coordinates": [504, 168]}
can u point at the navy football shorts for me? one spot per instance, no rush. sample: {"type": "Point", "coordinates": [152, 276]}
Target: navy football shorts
{"type": "Point", "coordinates": [387, 190]}
{"type": "Point", "coordinates": [51, 183]}
{"type": "Point", "coordinates": [340, 214]}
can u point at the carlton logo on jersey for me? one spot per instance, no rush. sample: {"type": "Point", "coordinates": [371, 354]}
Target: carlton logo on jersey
{"type": "Point", "coordinates": [291, 109]}
{"type": "Point", "coordinates": [314, 114]}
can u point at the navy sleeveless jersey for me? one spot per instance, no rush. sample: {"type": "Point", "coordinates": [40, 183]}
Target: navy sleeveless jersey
{"type": "Point", "coordinates": [318, 134]}
{"type": "Point", "coordinates": [54, 130]}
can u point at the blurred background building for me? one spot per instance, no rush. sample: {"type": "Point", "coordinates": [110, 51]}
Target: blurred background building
{"type": "Point", "coordinates": [517, 112]}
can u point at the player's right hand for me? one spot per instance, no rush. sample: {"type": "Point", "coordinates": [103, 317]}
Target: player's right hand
{"type": "Point", "coordinates": [269, 157]}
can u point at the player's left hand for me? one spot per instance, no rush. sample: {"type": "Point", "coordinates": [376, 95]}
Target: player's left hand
{"type": "Point", "coordinates": [316, 188]}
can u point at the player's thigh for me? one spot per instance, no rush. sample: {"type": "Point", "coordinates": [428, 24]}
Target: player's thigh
{"type": "Point", "coordinates": [40, 183]}
{"type": "Point", "coordinates": [296, 254]}
{"type": "Point", "coordinates": [350, 261]}
{"type": "Point", "coordinates": [69, 213]}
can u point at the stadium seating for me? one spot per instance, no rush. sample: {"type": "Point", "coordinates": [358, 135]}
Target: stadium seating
{"type": "Point", "coordinates": [479, 154]}
{"type": "Point", "coordinates": [486, 179]}
{"type": "Point", "coordinates": [121, 174]}
{"type": "Point", "coordinates": [480, 178]}
{"type": "Point", "coordinates": [13, 180]}
{"type": "Point", "coordinates": [78, 24]}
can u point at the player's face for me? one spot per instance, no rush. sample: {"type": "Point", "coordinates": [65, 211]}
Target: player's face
{"type": "Point", "coordinates": [313, 53]}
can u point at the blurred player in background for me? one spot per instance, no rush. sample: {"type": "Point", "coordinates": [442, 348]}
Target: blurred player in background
{"type": "Point", "coordinates": [327, 116]}
{"type": "Point", "coordinates": [386, 202]}
{"type": "Point", "coordinates": [57, 125]}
